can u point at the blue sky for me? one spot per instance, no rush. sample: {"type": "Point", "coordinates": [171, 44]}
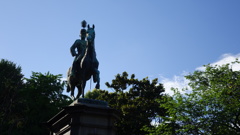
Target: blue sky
{"type": "Point", "coordinates": [157, 38]}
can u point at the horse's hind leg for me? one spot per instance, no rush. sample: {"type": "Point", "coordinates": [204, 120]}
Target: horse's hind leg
{"type": "Point", "coordinates": [72, 92]}
{"type": "Point", "coordinates": [68, 88]}
{"type": "Point", "coordinates": [79, 91]}
{"type": "Point", "coordinates": [83, 87]}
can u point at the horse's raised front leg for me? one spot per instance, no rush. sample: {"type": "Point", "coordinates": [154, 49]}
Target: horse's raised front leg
{"type": "Point", "coordinates": [83, 87]}
{"type": "Point", "coordinates": [96, 78]}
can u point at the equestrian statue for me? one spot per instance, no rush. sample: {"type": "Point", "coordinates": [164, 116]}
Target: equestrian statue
{"type": "Point", "coordinates": [85, 64]}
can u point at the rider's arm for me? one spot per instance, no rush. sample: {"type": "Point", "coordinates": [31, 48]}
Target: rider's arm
{"type": "Point", "coordinates": [72, 49]}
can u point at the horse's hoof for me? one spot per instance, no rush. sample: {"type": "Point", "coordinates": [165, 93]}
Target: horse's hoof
{"type": "Point", "coordinates": [72, 97]}
{"type": "Point", "coordinates": [68, 90]}
{"type": "Point", "coordinates": [97, 86]}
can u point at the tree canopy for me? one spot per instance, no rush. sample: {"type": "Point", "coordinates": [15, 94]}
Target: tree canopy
{"type": "Point", "coordinates": [26, 103]}
{"type": "Point", "coordinates": [11, 82]}
{"type": "Point", "coordinates": [135, 99]}
{"type": "Point", "coordinates": [213, 106]}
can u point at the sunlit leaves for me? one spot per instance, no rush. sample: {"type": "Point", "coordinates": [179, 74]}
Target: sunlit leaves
{"type": "Point", "coordinates": [213, 106]}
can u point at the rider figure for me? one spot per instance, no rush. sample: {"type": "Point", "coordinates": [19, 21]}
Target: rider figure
{"type": "Point", "coordinates": [80, 45]}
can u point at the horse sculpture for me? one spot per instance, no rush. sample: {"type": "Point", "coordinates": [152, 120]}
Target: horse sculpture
{"type": "Point", "coordinates": [88, 67]}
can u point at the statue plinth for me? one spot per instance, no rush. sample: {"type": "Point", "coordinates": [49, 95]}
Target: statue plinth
{"type": "Point", "coordinates": [84, 117]}
{"type": "Point", "coordinates": [89, 102]}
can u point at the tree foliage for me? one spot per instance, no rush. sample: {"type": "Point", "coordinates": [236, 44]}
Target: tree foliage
{"type": "Point", "coordinates": [11, 81]}
{"type": "Point", "coordinates": [135, 99]}
{"type": "Point", "coordinates": [213, 106]}
{"type": "Point", "coordinates": [45, 99]}
{"type": "Point", "coordinates": [26, 103]}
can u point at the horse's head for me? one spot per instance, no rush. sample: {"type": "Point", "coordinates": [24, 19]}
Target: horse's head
{"type": "Point", "coordinates": [91, 33]}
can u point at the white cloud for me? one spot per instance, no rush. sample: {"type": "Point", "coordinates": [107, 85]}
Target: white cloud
{"type": "Point", "coordinates": [180, 82]}
{"type": "Point", "coordinates": [224, 59]}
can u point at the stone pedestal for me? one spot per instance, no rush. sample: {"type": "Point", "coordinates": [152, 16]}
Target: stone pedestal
{"type": "Point", "coordinates": [84, 117]}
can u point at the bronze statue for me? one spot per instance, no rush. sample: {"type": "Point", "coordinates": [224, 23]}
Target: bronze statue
{"type": "Point", "coordinates": [85, 63]}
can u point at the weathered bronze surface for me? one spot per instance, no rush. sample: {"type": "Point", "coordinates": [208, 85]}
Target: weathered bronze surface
{"type": "Point", "coordinates": [85, 63]}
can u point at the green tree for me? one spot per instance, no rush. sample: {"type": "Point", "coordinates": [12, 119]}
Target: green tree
{"type": "Point", "coordinates": [94, 94]}
{"type": "Point", "coordinates": [26, 103]}
{"type": "Point", "coordinates": [135, 100]}
{"type": "Point", "coordinates": [213, 106]}
{"type": "Point", "coordinates": [44, 98]}
{"type": "Point", "coordinates": [11, 81]}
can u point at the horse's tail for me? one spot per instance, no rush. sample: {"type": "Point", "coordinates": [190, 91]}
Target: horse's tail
{"type": "Point", "coordinates": [69, 72]}
{"type": "Point", "coordinates": [68, 79]}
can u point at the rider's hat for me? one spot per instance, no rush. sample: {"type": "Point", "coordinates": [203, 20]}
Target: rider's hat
{"type": "Point", "coordinates": [84, 23]}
